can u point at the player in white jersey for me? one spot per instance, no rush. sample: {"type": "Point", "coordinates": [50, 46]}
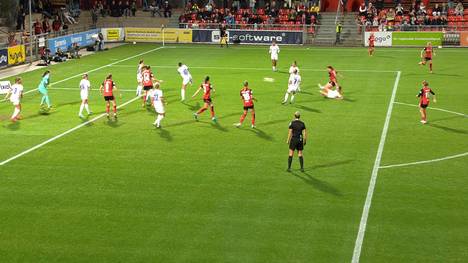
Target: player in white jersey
{"type": "Point", "coordinates": [85, 86]}
{"type": "Point", "coordinates": [331, 94]}
{"type": "Point", "coordinates": [274, 51]}
{"type": "Point", "coordinates": [293, 85]}
{"type": "Point", "coordinates": [15, 94]}
{"type": "Point", "coordinates": [141, 64]}
{"type": "Point", "coordinates": [291, 71]}
{"type": "Point", "coordinates": [186, 79]}
{"type": "Point", "coordinates": [157, 99]}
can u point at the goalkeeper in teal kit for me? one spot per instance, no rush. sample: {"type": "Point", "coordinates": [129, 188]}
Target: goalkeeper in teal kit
{"type": "Point", "coordinates": [43, 89]}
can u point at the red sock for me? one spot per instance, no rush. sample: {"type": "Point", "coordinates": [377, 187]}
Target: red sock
{"type": "Point", "coordinates": [243, 117]}
{"type": "Point", "coordinates": [107, 108]}
{"type": "Point", "coordinates": [115, 108]}
{"type": "Point", "coordinates": [201, 110]}
{"type": "Point", "coordinates": [253, 118]}
{"type": "Point", "coordinates": [430, 66]}
{"type": "Point", "coordinates": [212, 111]}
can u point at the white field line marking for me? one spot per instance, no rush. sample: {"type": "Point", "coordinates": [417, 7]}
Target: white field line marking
{"type": "Point", "coordinates": [432, 108]}
{"type": "Point", "coordinates": [98, 68]}
{"type": "Point", "coordinates": [265, 69]}
{"type": "Point", "coordinates": [375, 171]}
{"type": "Point", "coordinates": [423, 162]}
{"type": "Point", "coordinates": [63, 134]}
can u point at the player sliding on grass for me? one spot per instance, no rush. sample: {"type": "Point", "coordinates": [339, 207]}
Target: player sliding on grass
{"type": "Point", "coordinates": [274, 51]}
{"type": "Point", "coordinates": [293, 86]}
{"type": "Point", "coordinates": [186, 79]}
{"type": "Point", "coordinates": [43, 86]}
{"type": "Point", "coordinates": [157, 99]}
{"type": "Point", "coordinates": [207, 89]}
{"type": "Point", "coordinates": [15, 94]}
{"type": "Point", "coordinates": [107, 89]}
{"type": "Point", "coordinates": [247, 98]}
{"type": "Point", "coordinates": [333, 82]}
{"type": "Point", "coordinates": [139, 89]}
{"type": "Point", "coordinates": [85, 86]}
{"type": "Point", "coordinates": [426, 55]}
{"type": "Point", "coordinates": [371, 44]}
{"type": "Point", "coordinates": [424, 99]}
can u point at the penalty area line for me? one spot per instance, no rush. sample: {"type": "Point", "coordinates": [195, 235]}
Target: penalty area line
{"type": "Point", "coordinates": [375, 172]}
{"type": "Point", "coordinates": [424, 162]}
{"type": "Point", "coordinates": [433, 108]}
{"type": "Point", "coordinates": [62, 134]}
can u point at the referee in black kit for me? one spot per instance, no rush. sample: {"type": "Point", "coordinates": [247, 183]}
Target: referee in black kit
{"type": "Point", "coordinates": [297, 137]}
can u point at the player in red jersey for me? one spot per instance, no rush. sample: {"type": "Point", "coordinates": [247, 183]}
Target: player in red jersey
{"type": "Point", "coordinates": [148, 81]}
{"type": "Point", "coordinates": [247, 98]}
{"type": "Point", "coordinates": [107, 89]}
{"type": "Point", "coordinates": [371, 44]}
{"type": "Point", "coordinates": [424, 98]}
{"type": "Point", "coordinates": [333, 82]}
{"type": "Point", "coordinates": [426, 55]}
{"type": "Point", "coordinates": [207, 89]}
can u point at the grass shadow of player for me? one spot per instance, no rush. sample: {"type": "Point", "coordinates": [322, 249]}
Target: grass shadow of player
{"type": "Point", "coordinates": [114, 123]}
{"type": "Point", "coordinates": [268, 123]}
{"type": "Point", "coordinates": [164, 134]}
{"type": "Point", "coordinates": [40, 114]}
{"type": "Point", "coordinates": [448, 129]}
{"type": "Point", "coordinates": [68, 104]}
{"type": "Point", "coordinates": [219, 127]}
{"type": "Point", "coordinates": [13, 126]}
{"type": "Point", "coordinates": [348, 99]}
{"type": "Point", "coordinates": [261, 134]}
{"type": "Point", "coordinates": [192, 107]}
{"type": "Point", "coordinates": [228, 115]}
{"type": "Point", "coordinates": [181, 123]}
{"type": "Point", "coordinates": [302, 107]}
{"type": "Point", "coordinates": [317, 184]}
{"type": "Point", "coordinates": [447, 118]}
{"type": "Point", "coordinates": [331, 164]}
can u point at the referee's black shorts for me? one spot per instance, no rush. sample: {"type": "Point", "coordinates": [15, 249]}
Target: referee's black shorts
{"type": "Point", "coordinates": [296, 144]}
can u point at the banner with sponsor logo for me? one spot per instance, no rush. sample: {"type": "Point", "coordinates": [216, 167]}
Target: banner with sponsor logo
{"type": "Point", "coordinates": [3, 57]}
{"type": "Point", "coordinates": [382, 39]}
{"type": "Point", "coordinates": [64, 43]}
{"type": "Point", "coordinates": [417, 38]}
{"type": "Point", "coordinates": [249, 36]}
{"type": "Point", "coordinates": [113, 34]}
{"type": "Point", "coordinates": [171, 35]}
{"type": "Point", "coordinates": [4, 87]}
{"type": "Point", "coordinates": [16, 55]}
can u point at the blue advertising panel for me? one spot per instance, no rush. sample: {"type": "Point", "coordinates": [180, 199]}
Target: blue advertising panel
{"type": "Point", "coordinates": [64, 43]}
{"type": "Point", "coordinates": [3, 57]}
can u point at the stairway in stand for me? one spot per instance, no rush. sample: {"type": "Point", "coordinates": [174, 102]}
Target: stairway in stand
{"type": "Point", "coordinates": [326, 31]}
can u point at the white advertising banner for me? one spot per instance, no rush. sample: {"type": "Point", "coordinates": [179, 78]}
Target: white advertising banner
{"type": "Point", "coordinates": [382, 39]}
{"type": "Point", "coordinates": [4, 87]}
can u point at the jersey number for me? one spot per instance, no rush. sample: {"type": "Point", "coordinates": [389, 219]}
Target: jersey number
{"type": "Point", "coordinates": [246, 96]}
{"type": "Point", "coordinates": [108, 87]}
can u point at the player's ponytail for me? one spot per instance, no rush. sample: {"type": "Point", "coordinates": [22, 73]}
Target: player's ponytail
{"type": "Point", "coordinates": [45, 73]}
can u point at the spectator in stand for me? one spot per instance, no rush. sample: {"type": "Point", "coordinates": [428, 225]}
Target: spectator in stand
{"type": "Point", "coordinates": [57, 24]}
{"type": "Point", "coordinates": [379, 4]}
{"type": "Point", "coordinates": [37, 27]}
{"type": "Point", "coordinates": [94, 14]}
{"type": "Point", "coordinates": [450, 4]}
{"type": "Point", "coordinates": [167, 9]}
{"type": "Point", "coordinates": [114, 12]}
{"type": "Point", "coordinates": [21, 18]}
{"type": "Point", "coordinates": [422, 9]}
{"type": "Point", "coordinates": [120, 7]}
{"type": "Point", "coordinates": [235, 5]}
{"type": "Point", "coordinates": [133, 8]}
{"type": "Point", "coordinates": [252, 4]}
{"type": "Point", "coordinates": [363, 9]}
{"type": "Point", "coordinates": [126, 10]}
{"type": "Point", "coordinates": [436, 11]}
{"type": "Point", "coordinates": [399, 10]}
{"type": "Point", "coordinates": [444, 9]}
{"type": "Point", "coordinates": [391, 15]}
{"type": "Point", "coordinates": [459, 9]}
{"type": "Point", "coordinates": [46, 25]}
{"type": "Point", "coordinates": [100, 9]}
{"type": "Point", "coordinates": [154, 8]}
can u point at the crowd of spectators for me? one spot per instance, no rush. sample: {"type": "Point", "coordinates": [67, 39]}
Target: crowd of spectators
{"type": "Point", "coordinates": [374, 15]}
{"type": "Point", "coordinates": [250, 14]}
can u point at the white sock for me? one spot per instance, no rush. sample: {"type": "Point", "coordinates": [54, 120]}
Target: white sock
{"type": "Point", "coordinates": [159, 119]}
{"type": "Point", "coordinates": [182, 94]}
{"type": "Point", "coordinates": [87, 108]}
{"type": "Point", "coordinates": [15, 113]}
{"type": "Point", "coordinates": [286, 97]}
{"type": "Point", "coordinates": [147, 96]}
{"type": "Point", "coordinates": [81, 108]}
{"type": "Point", "coordinates": [292, 97]}
{"type": "Point", "coordinates": [138, 91]}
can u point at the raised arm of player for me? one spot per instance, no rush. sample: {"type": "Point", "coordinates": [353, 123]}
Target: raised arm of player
{"type": "Point", "coordinates": [289, 136]}
{"type": "Point", "coordinates": [101, 88]}
{"type": "Point", "coordinates": [118, 91]}
{"type": "Point", "coordinates": [196, 92]}
{"type": "Point", "coordinates": [7, 96]}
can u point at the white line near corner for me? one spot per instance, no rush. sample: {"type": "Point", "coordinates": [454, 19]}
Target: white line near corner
{"type": "Point", "coordinates": [62, 134]}
{"type": "Point", "coordinates": [432, 108]}
{"type": "Point", "coordinates": [426, 161]}
{"type": "Point", "coordinates": [375, 172]}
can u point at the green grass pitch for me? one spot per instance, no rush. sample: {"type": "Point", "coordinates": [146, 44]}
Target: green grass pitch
{"type": "Point", "coordinates": [198, 192]}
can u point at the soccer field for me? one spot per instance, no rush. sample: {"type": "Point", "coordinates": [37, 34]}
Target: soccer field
{"type": "Point", "coordinates": [378, 185]}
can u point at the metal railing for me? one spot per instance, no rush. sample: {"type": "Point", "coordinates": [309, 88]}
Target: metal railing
{"type": "Point", "coordinates": [278, 27]}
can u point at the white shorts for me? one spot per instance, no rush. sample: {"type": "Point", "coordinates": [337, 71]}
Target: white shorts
{"type": "Point", "coordinates": [333, 94]}
{"type": "Point", "coordinates": [186, 80]}
{"type": "Point", "coordinates": [159, 107]}
{"type": "Point", "coordinates": [139, 78]}
{"type": "Point", "coordinates": [84, 95]}
{"type": "Point", "coordinates": [15, 102]}
{"type": "Point", "coordinates": [292, 89]}
{"type": "Point", "coordinates": [274, 57]}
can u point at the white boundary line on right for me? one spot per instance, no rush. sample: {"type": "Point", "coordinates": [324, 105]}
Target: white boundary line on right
{"type": "Point", "coordinates": [375, 172]}
{"type": "Point", "coordinates": [432, 108]}
{"type": "Point", "coordinates": [423, 162]}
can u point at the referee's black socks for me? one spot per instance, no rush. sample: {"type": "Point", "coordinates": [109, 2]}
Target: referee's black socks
{"type": "Point", "coordinates": [289, 162]}
{"type": "Point", "coordinates": [301, 161]}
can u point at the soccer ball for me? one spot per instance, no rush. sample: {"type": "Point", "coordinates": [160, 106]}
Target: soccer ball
{"type": "Point", "coordinates": [134, 43]}
{"type": "Point", "coordinates": [440, 46]}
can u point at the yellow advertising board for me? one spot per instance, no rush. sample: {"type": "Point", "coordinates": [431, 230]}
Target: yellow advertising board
{"type": "Point", "coordinates": [16, 54]}
{"type": "Point", "coordinates": [113, 34]}
{"type": "Point", "coordinates": [171, 35]}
